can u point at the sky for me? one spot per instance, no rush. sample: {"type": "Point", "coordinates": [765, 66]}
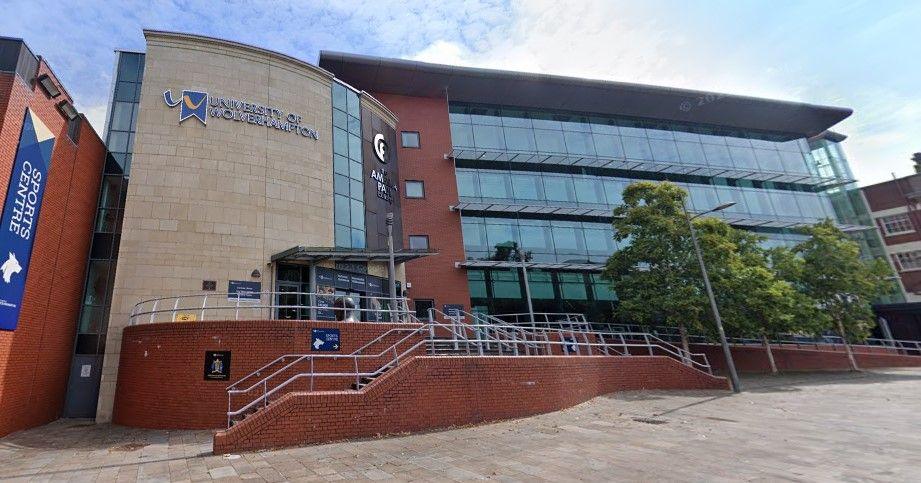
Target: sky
{"type": "Point", "coordinates": [865, 55]}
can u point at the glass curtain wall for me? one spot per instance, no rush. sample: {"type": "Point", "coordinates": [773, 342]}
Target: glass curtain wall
{"type": "Point", "coordinates": [500, 291]}
{"type": "Point", "coordinates": [348, 185]}
{"type": "Point", "coordinates": [100, 274]}
{"type": "Point", "coordinates": [590, 191]}
{"type": "Point", "coordinates": [509, 129]}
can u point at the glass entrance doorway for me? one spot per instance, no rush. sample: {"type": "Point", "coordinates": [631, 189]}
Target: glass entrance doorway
{"type": "Point", "coordinates": [367, 291]}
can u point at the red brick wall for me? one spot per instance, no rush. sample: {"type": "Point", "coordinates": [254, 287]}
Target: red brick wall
{"type": "Point", "coordinates": [821, 358]}
{"type": "Point", "coordinates": [432, 277]}
{"type": "Point", "coordinates": [438, 392]}
{"type": "Point", "coordinates": [164, 363]}
{"type": "Point", "coordinates": [35, 358]}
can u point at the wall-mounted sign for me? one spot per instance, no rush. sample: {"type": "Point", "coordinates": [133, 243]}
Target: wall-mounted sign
{"type": "Point", "coordinates": [324, 339]}
{"type": "Point", "coordinates": [217, 365]}
{"type": "Point", "coordinates": [454, 310]}
{"type": "Point", "coordinates": [380, 148]}
{"type": "Point", "coordinates": [570, 345]}
{"type": "Point", "coordinates": [385, 187]}
{"type": "Point", "coordinates": [201, 106]}
{"type": "Point", "coordinates": [186, 317]}
{"type": "Point", "coordinates": [209, 285]}
{"type": "Point", "coordinates": [243, 290]}
{"type": "Point", "coordinates": [20, 214]}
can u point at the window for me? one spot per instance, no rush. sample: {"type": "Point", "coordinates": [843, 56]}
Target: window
{"type": "Point", "coordinates": [909, 260]}
{"type": "Point", "coordinates": [896, 224]}
{"type": "Point", "coordinates": [410, 139]}
{"type": "Point", "coordinates": [418, 242]}
{"type": "Point", "coordinates": [415, 189]}
{"type": "Point", "coordinates": [422, 307]}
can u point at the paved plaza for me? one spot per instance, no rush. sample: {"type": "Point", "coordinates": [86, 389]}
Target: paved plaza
{"type": "Point", "coordinates": [828, 426]}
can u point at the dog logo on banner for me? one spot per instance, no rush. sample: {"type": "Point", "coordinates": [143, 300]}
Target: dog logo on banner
{"type": "Point", "coordinates": [192, 104]}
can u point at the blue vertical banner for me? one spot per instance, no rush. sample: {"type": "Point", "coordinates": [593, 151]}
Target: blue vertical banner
{"type": "Point", "coordinates": [20, 214]}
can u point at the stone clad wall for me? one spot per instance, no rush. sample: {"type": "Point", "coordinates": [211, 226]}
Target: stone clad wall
{"type": "Point", "coordinates": [216, 201]}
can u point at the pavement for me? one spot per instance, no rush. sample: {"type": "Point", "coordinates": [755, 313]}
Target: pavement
{"type": "Point", "coordinates": [802, 427]}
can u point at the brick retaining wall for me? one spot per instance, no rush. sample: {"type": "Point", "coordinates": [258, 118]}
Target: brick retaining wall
{"type": "Point", "coordinates": [161, 382]}
{"type": "Point", "coordinates": [753, 359]}
{"type": "Point", "coordinates": [438, 392]}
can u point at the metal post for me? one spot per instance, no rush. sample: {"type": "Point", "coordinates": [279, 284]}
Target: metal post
{"type": "Point", "coordinates": [884, 326]}
{"type": "Point", "coordinates": [313, 291]}
{"type": "Point", "coordinates": [730, 365]}
{"type": "Point", "coordinates": [527, 284]}
{"type": "Point", "coordinates": [391, 267]}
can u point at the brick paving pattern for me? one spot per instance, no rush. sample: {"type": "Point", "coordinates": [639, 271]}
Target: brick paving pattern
{"type": "Point", "coordinates": [808, 427]}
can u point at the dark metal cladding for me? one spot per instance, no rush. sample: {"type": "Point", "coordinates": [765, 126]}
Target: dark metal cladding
{"type": "Point", "coordinates": [487, 86]}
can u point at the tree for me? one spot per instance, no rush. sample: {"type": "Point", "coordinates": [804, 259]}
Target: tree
{"type": "Point", "coordinates": [655, 276]}
{"type": "Point", "coordinates": [841, 284]}
{"type": "Point", "coordinates": [754, 301]}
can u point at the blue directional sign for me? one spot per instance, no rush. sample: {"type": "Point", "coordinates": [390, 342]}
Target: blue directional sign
{"type": "Point", "coordinates": [570, 345]}
{"type": "Point", "coordinates": [324, 340]}
{"type": "Point", "coordinates": [20, 214]}
{"type": "Point", "coordinates": [244, 290]}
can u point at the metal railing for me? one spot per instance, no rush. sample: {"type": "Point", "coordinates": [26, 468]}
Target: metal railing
{"type": "Point", "coordinates": [484, 336]}
{"type": "Point", "coordinates": [562, 320]}
{"type": "Point", "coordinates": [269, 305]}
{"type": "Point", "coordinates": [907, 347]}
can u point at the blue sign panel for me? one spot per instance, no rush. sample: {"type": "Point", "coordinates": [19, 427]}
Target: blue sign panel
{"type": "Point", "coordinates": [324, 339]}
{"type": "Point", "coordinates": [244, 290]}
{"type": "Point", "coordinates": [454, 310]}
{"type": "Point", "coordinates": [20, 214]}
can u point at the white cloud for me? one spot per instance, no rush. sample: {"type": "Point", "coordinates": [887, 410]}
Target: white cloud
{"type": "Point", "coordinates": [695, 49]}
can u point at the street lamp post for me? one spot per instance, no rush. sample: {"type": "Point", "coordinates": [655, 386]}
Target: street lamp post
{"type": "Point", "coordinates": [527, 285]}
{"type": "Point", "coordinates": [391, 268]}
{"type": "Point", "coordinates": [730, 365]}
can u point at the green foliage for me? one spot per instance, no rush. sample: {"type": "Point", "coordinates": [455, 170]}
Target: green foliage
{"type": "Point", "coordinates": [753, 300]}
{"type": "Point", "coordinates": [654, 275]}
{"type": "Point", "coordinates": [832, 274]}
{"type": "Point", "coordinates": [759, 292]}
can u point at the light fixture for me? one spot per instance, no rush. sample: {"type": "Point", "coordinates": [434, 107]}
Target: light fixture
{"type": "Point", "coordinates": [256, 274]}
{"type": "Point", "coordinates": [724, 206]}
{"type": "Point", "coordinates": [68, 110]}
{"type": "Point", "coordinates": [48, 86]}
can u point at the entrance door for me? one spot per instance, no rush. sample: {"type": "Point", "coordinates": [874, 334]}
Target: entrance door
{"type": "Point", "coordinates": [83, 386]}
{"type": "Point", "coordinates": [288, 304]}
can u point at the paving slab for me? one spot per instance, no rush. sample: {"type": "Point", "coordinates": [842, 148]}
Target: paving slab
{"type": "Point", "coordinates": [794, 427]}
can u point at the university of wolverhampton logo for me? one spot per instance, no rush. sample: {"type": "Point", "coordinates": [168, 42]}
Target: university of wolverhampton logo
{"type": "Point", "coordinates": [192, 104]}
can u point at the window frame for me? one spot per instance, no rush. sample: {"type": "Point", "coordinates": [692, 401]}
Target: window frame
{"type": "Point", "coordinates": [898, 218]}
{"type": "Point", "coordinates": [406, 189]}
{"type": "Point", "coordinates": [403, 140]}
{"type": "Point", "coordinates": [914, 254]}
{"type": "Point", "coordinates": [409, 242]}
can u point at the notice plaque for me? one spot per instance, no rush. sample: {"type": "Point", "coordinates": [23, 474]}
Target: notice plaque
{"type": "Point", "coordinates": [217, 365]}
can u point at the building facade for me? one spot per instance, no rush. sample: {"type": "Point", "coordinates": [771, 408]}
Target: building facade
{"type": "Point", "coordinates": [894, 208]}
{"type": "Point", "coordinates": [537, 163]}
{"type": "Point", "coordinates": [237, 172]}
{"type": "Point", "coordinates": [50, 165]}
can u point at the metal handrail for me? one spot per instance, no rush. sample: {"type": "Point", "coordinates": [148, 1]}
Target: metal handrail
{"type": "Point", "coordinates": [284, 357]}
{"type": "Point", "coordinates": [228, 306]}
{"type": "Point", "coordinates": [476, 339]}
{"type": "Point", "coordinates": [911, 347]}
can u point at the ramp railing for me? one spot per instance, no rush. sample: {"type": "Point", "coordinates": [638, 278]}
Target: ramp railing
{"type": "Point", "coordinates": [484, 336]}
